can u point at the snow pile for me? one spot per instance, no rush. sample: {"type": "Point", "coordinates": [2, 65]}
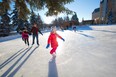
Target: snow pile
{"type": "Point", "coordinates": [11, 37]}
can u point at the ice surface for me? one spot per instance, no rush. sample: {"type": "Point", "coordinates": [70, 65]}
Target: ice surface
{"type": "Point", "coordinates": [88, 52]}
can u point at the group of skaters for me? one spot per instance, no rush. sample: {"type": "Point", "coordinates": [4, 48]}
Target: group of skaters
{"type": "Point", "coordinates": [52, 39]}
{"type": "Point", "coordinates": [34, 31]}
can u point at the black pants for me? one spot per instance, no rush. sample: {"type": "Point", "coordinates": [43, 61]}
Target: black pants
{"type": "Point", "coordinates": [35, 36]}
{"type": "Point", "coordinates": [26, 41]}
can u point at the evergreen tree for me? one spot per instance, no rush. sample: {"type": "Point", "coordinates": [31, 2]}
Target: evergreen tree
{"type": "Point", "coordinates": [60, 21]}
{"type": "Point", "coordinates": [36, 19]}
{"type": "Point", "coordinates": [14, 17]}
{"type": "Point", "coordinates": [39, 21]}
{"type": "Point", "coordinates": [20, 25]}
{"type": "Point", "coordinates": [55, 22]}
{"type": "Point", "coordinates": [51, 5]}
{"type": "Point", "coordinates": [4, 5]}
{"type": "Point", "coordinates": [32, 18]}
{"type": "Point", "coordinates": [67, 18]}
{"type": "Point", "coordinates": [75, 19]}
{"type": "Point", "coordinates": [5, 20]}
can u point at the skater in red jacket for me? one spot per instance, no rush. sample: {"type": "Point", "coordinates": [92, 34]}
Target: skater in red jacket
{"type": "Point", "coordinates": [35, 31]}
{"type": "Point", "coordinates": [52, 40]}
{"type": "Point", "coordinates": [25, 36]}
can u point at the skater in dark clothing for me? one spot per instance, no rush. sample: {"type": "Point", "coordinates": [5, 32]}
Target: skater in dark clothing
{"type": "Point", "coordinates": [25, 36]}
{"type": "Point", "coordinates": [74, 28]}
{"type": "Point", "coordinates": [52, 40]}
{"type": "Point", "coordinates": [35, 31]}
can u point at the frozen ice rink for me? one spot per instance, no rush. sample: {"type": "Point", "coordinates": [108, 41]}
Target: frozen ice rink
{"type": "Point", "coordinates": [89, 52]}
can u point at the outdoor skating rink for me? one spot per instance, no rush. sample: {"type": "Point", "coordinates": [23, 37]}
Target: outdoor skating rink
{"type": "Point", "coordinates": [89, 52]}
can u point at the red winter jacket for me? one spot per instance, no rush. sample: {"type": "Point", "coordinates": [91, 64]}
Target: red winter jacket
{"type": "Point", "coordinates": [35, 31]}
{"type": "Point", "coordinates": [25, 35]}
{"type": "Point", "coordinates": [53, 39]}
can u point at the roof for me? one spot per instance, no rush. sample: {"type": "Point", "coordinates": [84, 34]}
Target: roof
{"type": "Point", "coordinates": [101, 1]}
{"type": "Point", "coordinates": [96, 10]}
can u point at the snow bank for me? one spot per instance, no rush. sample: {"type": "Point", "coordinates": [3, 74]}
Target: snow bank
{"type": "Point", "coordinates": [11, 37]}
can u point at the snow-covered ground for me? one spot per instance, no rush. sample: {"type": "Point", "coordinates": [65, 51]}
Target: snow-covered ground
{"type": "Point", "coordinates": [10, 37]}
{"type": "Point", "coordinates": [89, 52]}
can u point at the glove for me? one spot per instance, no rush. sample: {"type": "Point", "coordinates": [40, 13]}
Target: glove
{"type": "Point", "coordinates": [41, 34]}
{"type": "Point", "coordinates": [63, 39]}
{"type": "Point", "coordinates": [47, 45]}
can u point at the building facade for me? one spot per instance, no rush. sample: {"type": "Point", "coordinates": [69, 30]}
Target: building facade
{"type": "Point", "coordinates": [103, 11]}
{"type": "Point", "coordinates": [96, 16]}
{"type": "Point", "coordinates": [108, 11]}
{"type": "Point", "coordinates": [111, 11]}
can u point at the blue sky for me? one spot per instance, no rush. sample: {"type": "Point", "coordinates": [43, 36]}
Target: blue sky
{"type": "Point", "coordinates": [83, 8]}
